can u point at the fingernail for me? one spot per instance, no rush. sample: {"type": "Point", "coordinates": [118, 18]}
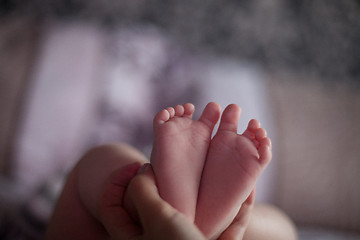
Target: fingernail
{"type": "Point", "coordinates": [143, 167]}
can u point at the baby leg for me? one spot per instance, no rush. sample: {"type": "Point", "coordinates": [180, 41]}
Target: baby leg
{"type": "Point", "coordinates": [232, 167]}
{"type": "Point", "coordinates": [179, 152]}
{"type": "Point", "coordinates": [75, 215]}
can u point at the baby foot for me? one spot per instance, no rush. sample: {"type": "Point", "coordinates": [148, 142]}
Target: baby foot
{"type": "Point", "coordinates": [232, 167]}
{"type": "Point", "coordinates": [179, 152]}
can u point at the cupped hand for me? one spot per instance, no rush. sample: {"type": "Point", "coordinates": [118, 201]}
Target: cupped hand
{"type": "Point", "coordinates": [156, 218]}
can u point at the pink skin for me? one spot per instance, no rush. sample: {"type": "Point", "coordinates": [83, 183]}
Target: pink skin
{"type": "Point", "coordinates": [179, 153]}
{"type": "Point", "coordinates": [232, 167]}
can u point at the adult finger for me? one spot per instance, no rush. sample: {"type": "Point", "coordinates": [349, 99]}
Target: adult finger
{"type": "Point", "coordinates": [145, 197]}
{"type": "Point", "coordinates": [237, 228]}
{"type": "Point", "coordinates": [159, 219]}
{"type": "Point", "coordinates": [111, 212]}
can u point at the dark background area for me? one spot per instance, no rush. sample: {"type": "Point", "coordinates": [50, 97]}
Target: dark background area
{"type": "Point", "coordinates": [318, 37]}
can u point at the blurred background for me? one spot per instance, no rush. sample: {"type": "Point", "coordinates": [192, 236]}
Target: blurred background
{"type": "Point", "coordinates": [75, 74]}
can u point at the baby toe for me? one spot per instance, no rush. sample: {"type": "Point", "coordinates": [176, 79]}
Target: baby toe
{"type": "Point", "coordinates": [230, 118]}
{"type": "Point", "coordinates": [171, 111]}
{"type": "Point", "coordinates": [260, 134]}
{"type": "Point", "coordinates": [179, 110]}
{"type": "Point", "coordinates": [161, 117]}
{"type": "Point", "coordinates": [266, 142]}
{"type": "Point", "coordinates": [189, 109]}
{"type": "Point", "coordinates": [253, 124]}
{"type": "Point", "coordinates": [210, 115]}
{"type": "Point", "coordinates": [264, 155]}
{"type": "Point", "coordinates": [250, 131]}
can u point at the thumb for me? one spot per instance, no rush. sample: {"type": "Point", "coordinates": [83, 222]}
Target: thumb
{"type": "Point", "coordinates": [145, 197]}
{"type": "Point", "coordinates": [110, 209]}
{"type": "Point", "coordinates": [158, 218]}
{"type": "Point", "coordinates": [237, 228]}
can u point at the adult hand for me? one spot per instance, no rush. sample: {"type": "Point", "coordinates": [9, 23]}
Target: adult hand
{"type": "Point", "coordinates": [238, 227]}
{"type": "Point", "coordinates": [158, 220]}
